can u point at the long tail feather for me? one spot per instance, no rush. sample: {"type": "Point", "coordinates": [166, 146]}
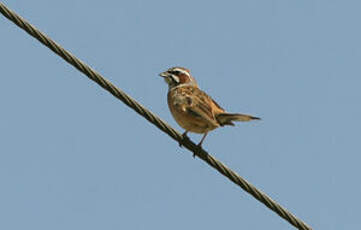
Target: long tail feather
{"type": "Point", "coordinates": [227, 118]}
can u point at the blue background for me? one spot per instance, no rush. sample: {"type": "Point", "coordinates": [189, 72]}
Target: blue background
{"type": "Point", "coordinates": [74, 157]}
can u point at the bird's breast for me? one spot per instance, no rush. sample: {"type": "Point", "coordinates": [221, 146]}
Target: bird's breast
{"type": "Point", "coordinates": [179, 105]}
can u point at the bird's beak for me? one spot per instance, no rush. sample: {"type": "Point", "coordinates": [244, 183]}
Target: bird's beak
{"type": "Point", "coordinates": [163, 74]}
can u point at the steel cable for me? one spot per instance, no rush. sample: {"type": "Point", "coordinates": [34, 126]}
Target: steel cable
{"type": "Point", "coordinates": [201, 153]}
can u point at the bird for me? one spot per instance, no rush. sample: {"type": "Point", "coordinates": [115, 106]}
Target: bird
{"type": "Point", "coordinates": [192, 108]}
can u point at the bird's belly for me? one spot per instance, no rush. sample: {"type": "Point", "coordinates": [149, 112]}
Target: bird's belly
{"type": "Point", "coordinates": [190, 122]}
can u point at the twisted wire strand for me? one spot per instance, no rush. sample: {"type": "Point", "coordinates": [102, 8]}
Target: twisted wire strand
{"type": "Point", "coordinates": [201, 153]}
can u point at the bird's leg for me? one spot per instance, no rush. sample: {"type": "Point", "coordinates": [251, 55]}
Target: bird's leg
{"type": "Point", "coordinates": [200, 144]}
{"type": "Point", "coordinates": [184, 137]}
{"type": "Point", "coordinates": [204, 136]}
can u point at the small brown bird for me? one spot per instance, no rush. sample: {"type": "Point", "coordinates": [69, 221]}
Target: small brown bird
{"type": "Point", "coordinates": [192, 108]}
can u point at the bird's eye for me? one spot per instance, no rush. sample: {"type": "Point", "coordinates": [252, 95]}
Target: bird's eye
{"type": "Point", "coordinates": [176, 72]}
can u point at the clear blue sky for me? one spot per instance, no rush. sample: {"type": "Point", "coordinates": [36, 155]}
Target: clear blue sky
{"type": "Point", "coordinates": [74, 157]}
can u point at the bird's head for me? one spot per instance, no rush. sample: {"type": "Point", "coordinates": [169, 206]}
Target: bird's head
{"type": "Point", "coordinates": [176, 76]}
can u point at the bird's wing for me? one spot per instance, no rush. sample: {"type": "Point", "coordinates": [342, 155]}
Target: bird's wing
{"type": "Point", "coordinates": [200, 104]}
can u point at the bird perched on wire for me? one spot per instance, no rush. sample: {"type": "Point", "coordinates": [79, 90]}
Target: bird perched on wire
{"type": "Point", "coordinates": [192, 108]}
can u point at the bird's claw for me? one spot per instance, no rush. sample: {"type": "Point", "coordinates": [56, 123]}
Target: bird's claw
{"type": "Point", "coordinates": [197, 150]}
{"type": "Point", "coordinates": [184, 139]}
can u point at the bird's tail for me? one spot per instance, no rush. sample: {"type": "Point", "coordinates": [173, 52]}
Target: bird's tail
{"type": "Point", "coordinates": [227, 118]}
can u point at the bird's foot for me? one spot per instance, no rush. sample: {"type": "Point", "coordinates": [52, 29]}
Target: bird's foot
{"type": "Point", "coordinates": [184, 139]}
{"type": "Point", "coordinates": [197, 150]}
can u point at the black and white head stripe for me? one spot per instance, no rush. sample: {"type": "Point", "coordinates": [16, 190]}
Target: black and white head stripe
{"type": "Point", "coordinates": [178, 70]}
{"type": "Point", "coordinates": [175, 78]}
